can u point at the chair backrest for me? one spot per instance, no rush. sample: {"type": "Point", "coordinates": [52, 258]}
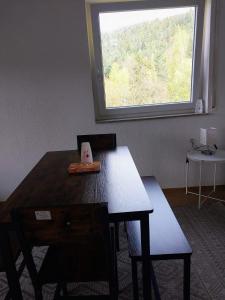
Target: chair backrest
{"type": "Point", "coordinates": [78, 224]}
{"type": "Point", "coordinates": [98, 141]}
{"type": "Point", "coordinates": [10, 235]}
{"type": "Point", "coordinates": [82, 229]}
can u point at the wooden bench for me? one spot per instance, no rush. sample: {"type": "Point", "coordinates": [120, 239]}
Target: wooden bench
{"type": "Point", "coordinates": [167, 240]}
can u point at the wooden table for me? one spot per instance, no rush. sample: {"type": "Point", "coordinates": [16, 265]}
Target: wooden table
{"type": "Point", "coordinates": [118, 183]}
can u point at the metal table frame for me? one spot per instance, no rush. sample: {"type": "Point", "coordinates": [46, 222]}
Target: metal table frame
{"type": "Point", "coordinates": [200, 158]}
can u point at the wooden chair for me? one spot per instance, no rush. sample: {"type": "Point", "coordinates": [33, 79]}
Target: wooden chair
{"type": "Point", "coordinates": [8, 234]}
{"type": "Point", "coordinates": [81, 245]}
{"type": "Point", "coordinates": [100, 142]}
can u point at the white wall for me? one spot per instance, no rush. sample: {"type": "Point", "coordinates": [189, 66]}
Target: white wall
{"type": "Point", "coordinates": [46, 97]}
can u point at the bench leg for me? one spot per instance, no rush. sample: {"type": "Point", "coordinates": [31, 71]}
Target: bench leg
{"type": "Point", "coordinates": [187, 269]}
{"type": "Point", "coordinates": [155, 284]}
{"type": "Point", "coordinates": [134, 279]}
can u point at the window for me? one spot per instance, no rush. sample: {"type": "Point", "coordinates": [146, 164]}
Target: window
{"type": "Point", "coordinates": [148, 57]}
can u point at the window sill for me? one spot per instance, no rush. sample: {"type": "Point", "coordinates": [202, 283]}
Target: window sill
{"type": "Point", "coordinates": [140, 118]}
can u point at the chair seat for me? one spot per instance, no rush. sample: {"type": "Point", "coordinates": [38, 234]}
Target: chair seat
{"type": "Point", "coordinates": [67, 264]}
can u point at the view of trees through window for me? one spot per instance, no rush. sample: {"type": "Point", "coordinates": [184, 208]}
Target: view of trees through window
{"type": "Point", "coordinates": [147, 56]}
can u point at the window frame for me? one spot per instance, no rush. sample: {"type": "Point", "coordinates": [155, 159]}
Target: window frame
{"type": "Point", "coordinates": [145, 111]}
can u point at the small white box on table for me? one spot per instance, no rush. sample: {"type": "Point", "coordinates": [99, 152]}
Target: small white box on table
{"type": "Point", "coordinates": [208, 136]}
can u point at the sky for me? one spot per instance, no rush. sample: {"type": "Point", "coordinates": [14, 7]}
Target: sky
{"type": "Point", "coordinates": [116, 20]}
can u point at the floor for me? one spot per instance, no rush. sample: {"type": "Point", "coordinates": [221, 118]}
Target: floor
{"type": "Point", "coordinates": [178, 197]}
{"type": "Point", "coordinates": [205, 231]}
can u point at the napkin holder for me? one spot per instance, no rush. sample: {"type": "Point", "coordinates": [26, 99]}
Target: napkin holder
{"type": "Point", "coordinates": [79, 168]}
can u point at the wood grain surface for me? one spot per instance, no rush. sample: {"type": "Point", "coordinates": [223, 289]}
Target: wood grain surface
{"type": "Point", "coordinates": [49, 184]}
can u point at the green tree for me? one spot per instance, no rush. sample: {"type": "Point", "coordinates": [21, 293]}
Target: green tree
{"type": "Point", "coordinates": [150, 62]}
{"type": "Point", "coordinates": [117, 86]}
{"type": "Point", "coordinates": [179, 66]}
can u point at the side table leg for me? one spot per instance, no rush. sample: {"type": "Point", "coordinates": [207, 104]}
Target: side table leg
{"type": "Point", "coordinates": [200, 185]}
{"type": "Point", "coordinates": [187, 172]}
{"type": "Point", "coordinates": [214, 178]}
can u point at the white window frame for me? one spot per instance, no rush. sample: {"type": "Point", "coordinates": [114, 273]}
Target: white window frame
{"type": "Point", "coordinates": [198, 71]}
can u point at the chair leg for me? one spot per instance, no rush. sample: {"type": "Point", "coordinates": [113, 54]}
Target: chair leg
{"type": "Point", "coordinates": [8, 296]}
{"type": "Point", "coordinates": [64, 289]}
{"type": "Point", "coordinates": [20, 271]}
{"type": "Point", "coordinates": [38, 294]}
{"type": "Point", "coordinates": [21, 267]}
{"type": "Point", "coordinates": [117, 234]}
{"type": "Point", "coordinates": [10, 269]}
{"type": "Point", "coordinates": [57, 292]}
{"type": "Point", "coordinates": [134, 279]}
{"type": "Point", "coordinates": [113, 288]}
{"type": "Point", "coordinates": [116, 276]}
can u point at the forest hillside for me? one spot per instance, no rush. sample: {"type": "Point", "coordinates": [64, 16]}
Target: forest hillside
{"type": "Point", "coordinates": [150, 62]}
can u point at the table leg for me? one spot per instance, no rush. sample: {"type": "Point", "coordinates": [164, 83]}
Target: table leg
{"type": "Point", "coordinates": [187, 275]}
{"type": "Point", "coordinates": [200, 185]}
{"type": "Point", "coordinates": [146, 266]}
{"type": "Point", "coordinates": [10, 268]}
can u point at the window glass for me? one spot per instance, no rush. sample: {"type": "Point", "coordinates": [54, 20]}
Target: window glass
{"type": "Point", "coordinates": [151, 58]}
{"type": "Point", "coordinates": [147, 56]}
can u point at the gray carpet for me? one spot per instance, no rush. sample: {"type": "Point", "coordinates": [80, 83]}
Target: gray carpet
{"type": "Point", "coordinates": [205, 230]}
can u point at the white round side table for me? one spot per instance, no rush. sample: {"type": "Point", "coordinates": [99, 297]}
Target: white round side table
{"type": "Point", "coordinates": [197, 156]}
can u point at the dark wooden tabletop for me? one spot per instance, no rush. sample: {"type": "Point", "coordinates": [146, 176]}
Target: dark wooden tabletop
{"type": "Point", "coordinates": [49, 184]}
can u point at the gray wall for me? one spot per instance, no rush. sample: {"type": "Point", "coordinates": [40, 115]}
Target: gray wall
{"type": "Point", "coordinates": [46, 97]}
